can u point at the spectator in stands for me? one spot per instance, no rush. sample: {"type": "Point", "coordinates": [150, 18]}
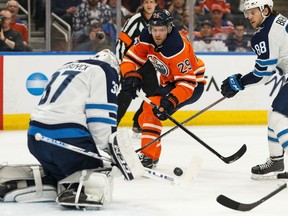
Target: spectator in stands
{"type": "Point", "coordinates": [17, 24]}
{"type": "Point", "coordinates": [238, 41]}
{"type": "Point", "coordinates": [184, 30]}
{"type": "Point", "coordinates": [221, 28]}
{"type": "Point", "coordinates": [96, 40]}
{"type": "Point", "coordinates": [177, 9]}
{"type": "Point", "coordinates": [87, 13]}
{"type": "Point", "coordinates": [65, 9]}
{"type": "Point", "coordinates": [110, 28]}
{"type": "Point", "coordinates": [205, 6]}
{"type": "Point", "coordinates": [204, 40]}
{"type": "Point", "coordinates": [39, 16]}
{"type": "Point", "coordinates": [10, 40]}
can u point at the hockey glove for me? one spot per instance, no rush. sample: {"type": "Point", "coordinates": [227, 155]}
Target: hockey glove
{"type": "Point", "coordinates": [131, 83]}
{"type": "Point", "coordinates": [231, 86]}
{"type": "Point", "coordinates": [167, 105]}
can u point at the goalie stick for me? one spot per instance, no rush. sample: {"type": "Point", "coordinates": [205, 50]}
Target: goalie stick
{"type": "Point", "coordinates": [147, 172]}
{"type": "Point", "coordinates": [227, 160]}
{"type": "Point", "coordinates": [182, 123]}
{"type": "Point", "coordinates": [229, 203]}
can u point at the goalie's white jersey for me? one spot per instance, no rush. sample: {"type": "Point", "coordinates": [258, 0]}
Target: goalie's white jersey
{"type": "Point", "coordinates": [82, 92]}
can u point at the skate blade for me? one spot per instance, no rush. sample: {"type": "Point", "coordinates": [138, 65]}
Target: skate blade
{"type": "Point", "coordinates": [82, 206]}
{"type": "Point", "coordinates": [269, 176]}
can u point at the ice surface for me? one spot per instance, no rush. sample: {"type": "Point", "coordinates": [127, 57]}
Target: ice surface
{"type": "Point", "coordinates": [149, 197]}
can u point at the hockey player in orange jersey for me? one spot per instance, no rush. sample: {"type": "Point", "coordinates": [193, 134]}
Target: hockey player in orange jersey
{"type": "Point", "coordinates": [181, 77]}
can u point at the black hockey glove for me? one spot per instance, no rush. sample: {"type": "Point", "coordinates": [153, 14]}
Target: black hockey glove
{"type": "Point", "coordinates": [231, 86]}
{"type": "Point", "coordinates": [167, 104]}
{"type": "Point", "coordinates": [131, 83]}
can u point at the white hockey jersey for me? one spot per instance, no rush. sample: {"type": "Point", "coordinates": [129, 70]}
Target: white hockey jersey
{"type": "Point", "coordinates": [270, 44]}
{"type": "Point", "coordinates": [83, 92]}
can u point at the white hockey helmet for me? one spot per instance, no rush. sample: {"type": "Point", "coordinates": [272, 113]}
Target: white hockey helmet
{"type": "Point", "coordinates": [249, 4]}
{"type": "Point", "coordinates": [107, 56]}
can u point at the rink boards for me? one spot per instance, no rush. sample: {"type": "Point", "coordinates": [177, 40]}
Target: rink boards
{"type": "Point", "coordinates": [23, 77]}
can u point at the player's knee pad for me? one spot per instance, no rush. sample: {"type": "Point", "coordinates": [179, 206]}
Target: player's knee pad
{"type": "Point", "coordinates": [14, 188]}
{"type": "Point", "coordinates": [96, 186]}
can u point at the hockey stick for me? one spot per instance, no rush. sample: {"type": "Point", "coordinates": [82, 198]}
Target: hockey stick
{"type": "Point", "coordinates": [182, 123]}
{"type": "Point", "coordinates": [229, 203]}
{"type": "Point", "coordinates": [227, 160]}
{"type": "Point", "coordinates": [148, 172]}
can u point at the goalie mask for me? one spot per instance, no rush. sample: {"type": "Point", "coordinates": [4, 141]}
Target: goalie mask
{"type": "Point", "coordinates": [107, 56]}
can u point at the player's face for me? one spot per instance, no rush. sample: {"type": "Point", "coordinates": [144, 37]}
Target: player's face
{"type": "Point", "coordinates": [149, 6]}
{"type": "Point", "coordinates": [159, 34]}
{"type": "Point", "coordinates": [255, 17]}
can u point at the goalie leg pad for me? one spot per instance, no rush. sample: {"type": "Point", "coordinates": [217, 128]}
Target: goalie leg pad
{"type": "Point", "coordinates": [124, 156]}
{"type": "Point", "coordinates": [14, 188]}
{"type": "Point", "coordinates": [94, 190]}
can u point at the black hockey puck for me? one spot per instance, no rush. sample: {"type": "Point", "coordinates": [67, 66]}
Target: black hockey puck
{"type": "Point", "coordinates": [178, 171]}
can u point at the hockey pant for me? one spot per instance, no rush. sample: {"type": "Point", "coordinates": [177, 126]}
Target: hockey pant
{"type": "Point", "coordinates": [58, 162]}
{"type": "Point", "coordinates": [152, 126]}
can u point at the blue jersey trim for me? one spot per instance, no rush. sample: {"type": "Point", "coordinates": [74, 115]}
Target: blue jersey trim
{"type": "Point", "coordinates": [108, 107]}
{"type": "Point", "coordinates": [102, 120]}
{"type": "Point", "coordinates": [59, 133]}
{"type": "Point", "coordinates": [273, 139]}
{"type": "Point", "coordinates": [284, 132]}
{"type": "Point", "coordinates": [262, 74]}
{"type": "Point", "coordinates": [267, 62]}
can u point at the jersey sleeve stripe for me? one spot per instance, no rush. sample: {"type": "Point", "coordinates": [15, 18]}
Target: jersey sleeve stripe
{"type": "Point", "coordinates": [266, 62]}
{"type": "Point", "coordinates": [186, 85]}
{"type": "Point", "coordinates": [135, 57]}
{"type": "Point", "coordinates": [110, 121]}
{"type": "Point", "coordinates": [262, 74]}
{"type": "Point", "coordinates": [108, 107]}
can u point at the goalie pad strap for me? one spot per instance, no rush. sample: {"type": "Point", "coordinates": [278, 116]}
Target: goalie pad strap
{"type": "Point", "coordinates": [38, 181]}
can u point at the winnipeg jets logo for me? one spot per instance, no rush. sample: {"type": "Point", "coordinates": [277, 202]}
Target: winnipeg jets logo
{"type": "Point", "coordinates": [159, 65]}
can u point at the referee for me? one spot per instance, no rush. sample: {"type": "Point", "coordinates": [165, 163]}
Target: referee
{"type": "Point", "coordinates": [127, 37]}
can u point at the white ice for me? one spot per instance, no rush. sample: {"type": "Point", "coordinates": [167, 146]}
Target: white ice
{"type": "Point", "coordinates": [149, 197]}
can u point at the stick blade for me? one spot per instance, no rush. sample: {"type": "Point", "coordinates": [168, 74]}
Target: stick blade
{"type": "Point", "coordinates": [227, 202]}
{"type": "Point", "coordinates": [235, 156]}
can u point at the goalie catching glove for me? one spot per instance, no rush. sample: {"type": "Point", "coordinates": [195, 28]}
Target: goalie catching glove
{"type": "Point", "coordinates": [167, 105]}
{"type": "Point", "coordinates": [231, 86]}
{"type": "Point", "coordinates": [132, 83]}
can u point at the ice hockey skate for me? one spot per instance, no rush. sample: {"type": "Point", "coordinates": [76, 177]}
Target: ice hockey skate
{"type": "Point", "coordinates": [268, 170]}
{"type": "Point", "coordinates": [6, 188]}
{"type": "Point", "coordinates": [70, 199]}
{"type": "Point", "coordinates": [147, 161]}
{"type": "Point", "coordinates": [136, 132]}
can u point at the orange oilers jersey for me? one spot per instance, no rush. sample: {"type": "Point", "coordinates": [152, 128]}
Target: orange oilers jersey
{"type": "Point", "coordinates": [175, 60]}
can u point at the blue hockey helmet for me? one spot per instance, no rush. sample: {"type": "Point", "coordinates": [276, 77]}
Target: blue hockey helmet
{"type": "Point", "coordinates": [161, 17]}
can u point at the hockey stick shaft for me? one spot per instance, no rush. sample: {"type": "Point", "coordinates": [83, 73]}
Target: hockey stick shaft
{"type": "Point", "coordinates": [228, 160]}
{"type": "Point", "coordinates": [182, 123]}
{"type": "Point", "coordinates": [232, 204]}
{"type": "Point", "coordinates": [148, 172]}
{"type": "Point", "coordinates": [58, 143]}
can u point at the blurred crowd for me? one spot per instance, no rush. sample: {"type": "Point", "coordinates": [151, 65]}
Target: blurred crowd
{"type": "Point", "coordinates": [218, 25]}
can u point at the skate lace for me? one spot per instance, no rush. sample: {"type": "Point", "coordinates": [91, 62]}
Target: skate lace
{"type": "Point", "coordinates": [267, 164]}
